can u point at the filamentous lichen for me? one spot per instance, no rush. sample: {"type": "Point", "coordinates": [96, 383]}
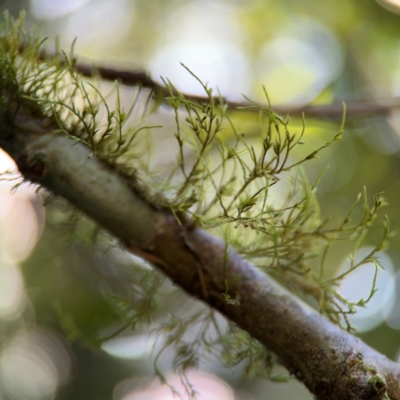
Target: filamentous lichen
{"type": "Point", "coordinates": [222, 181]}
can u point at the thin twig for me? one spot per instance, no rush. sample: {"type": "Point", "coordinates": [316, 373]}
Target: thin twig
{"type": "Point", "coordinates": [356, 110]}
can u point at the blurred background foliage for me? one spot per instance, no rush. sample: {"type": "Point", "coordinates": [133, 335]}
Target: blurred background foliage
{"type": "Point", "coordinates": [54, 315]}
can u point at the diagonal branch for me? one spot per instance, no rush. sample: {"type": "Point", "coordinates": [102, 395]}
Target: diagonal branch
{"type": "Point", "coordinates": [332, 363]}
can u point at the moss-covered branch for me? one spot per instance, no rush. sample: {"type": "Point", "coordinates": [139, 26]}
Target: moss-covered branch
{"type": "Point", "coordinates": [74, 153]}
{"type": "Point", "coordinates": [332, 363]}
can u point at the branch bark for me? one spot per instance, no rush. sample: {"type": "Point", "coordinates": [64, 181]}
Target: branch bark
{"type": "Point", "coordinates": [331, 363]}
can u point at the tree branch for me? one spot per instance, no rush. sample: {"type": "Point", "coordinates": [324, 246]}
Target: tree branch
{"type": "Point", "coordinates": [356, 110]}
{"type": "Point", "coordinates": [331, 363]}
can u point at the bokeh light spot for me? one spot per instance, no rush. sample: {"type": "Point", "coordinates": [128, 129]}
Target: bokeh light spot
{"type": "Point", "coordinates": [207, 387]}
{"type": "Point", "coordinates": [393, 309]}
{"type": "Point", "coordinates": [19, 229]}
{"type": "Point", "coordinates": [33, 365]}
{"type": "Point", "coordinates": [391, 5]}
{"type": "Point", "coordinates": [209, 45]}
{"type": "Point", "coordinates": [99, 25]}
{"type": "Point", "coordinates": [11, 288]}
{"type": "Point", "coordinates": [357, 285]}
{"type": "Point", "coordinates": [49, 9]}
{"type": "Point", "coordinates": [302, 59]}
{"type": "Point", "coordinates": [131, 347]}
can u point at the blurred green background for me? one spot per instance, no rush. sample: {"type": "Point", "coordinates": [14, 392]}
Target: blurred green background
{"type": "Point", "coordinates": [52, 278]}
